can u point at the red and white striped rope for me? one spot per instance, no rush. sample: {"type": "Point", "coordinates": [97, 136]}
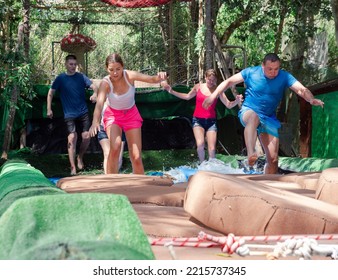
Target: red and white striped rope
{"type": "Point", "coordinates": [207, 240]}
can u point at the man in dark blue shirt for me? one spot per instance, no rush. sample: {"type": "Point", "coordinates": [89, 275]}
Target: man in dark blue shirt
{"type": "Point", "coordinates": [72, 87]}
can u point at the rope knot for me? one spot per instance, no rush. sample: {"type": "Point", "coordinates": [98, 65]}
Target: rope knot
{"type": "Point", "coordinates": [228, 244]}
{"type": "Point", "coordinates": [202, 236]}
{"type": "Point", "coordinates": [231, 245]}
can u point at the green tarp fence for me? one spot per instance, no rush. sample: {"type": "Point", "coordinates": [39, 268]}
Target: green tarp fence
{"type": "Point", "coordinates": [154, 104]}
{"type": "Point", "coordinates": [307, 164]}
{"type": "Point", "coordinates": [40, 221]}
{"type": "Point", "coordinates": [293, 164]}
{"type": "Point", "coordinates": [325, 127]}
{"type": "Point", "coordinates": [158, 104]}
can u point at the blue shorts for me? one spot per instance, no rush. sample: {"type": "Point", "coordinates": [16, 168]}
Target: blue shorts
{"type": "Point", "coordinates": [101, 135]}
{"type": "Point", "coordinates": [207, 124]}
{"type": "Point", "coordinates": [82, 121]}
{"type": "Point", "coordinates": [268, 124]}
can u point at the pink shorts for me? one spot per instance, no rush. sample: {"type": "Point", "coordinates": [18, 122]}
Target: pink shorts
{"type": "Point", "coordinates": [126, 119]}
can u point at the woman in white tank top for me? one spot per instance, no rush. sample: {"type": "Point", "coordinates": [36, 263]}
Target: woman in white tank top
{"type": "Point", "coordinates": [121, 113]}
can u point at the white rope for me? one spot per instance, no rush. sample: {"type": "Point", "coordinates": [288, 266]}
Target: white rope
{"type": "Point", "coordinates": [303, 248]}
{"type": "Point", "coordinates": [170, 247]}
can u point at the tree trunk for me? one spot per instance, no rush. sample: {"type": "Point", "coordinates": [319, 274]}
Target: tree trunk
{"type": "Point", "coordinates": [305, 128]}
{"type": "Point", "coordinates": [172, 74]}
{"type": "Point", "coordinates": [23, 33]}
{"type": "Point", "coordinates": [194, 13]}
{"type": "Point", "coordinates": [296, 51]}
{"type": "Point", "coordinates": [9, 125]}
{"type": "Point", "coordinates": [279, 35]}
{"type": "Point", "coordinates": [334, 5]}
{"type": "Point", "coordinates": [26, 15]}
{"type": "Point", "coordinates": [201, 54]}
{"type": "Point", "coordinates": [208, 36]}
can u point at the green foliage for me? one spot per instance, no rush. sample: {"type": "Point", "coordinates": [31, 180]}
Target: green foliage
{"type": "Point", "coordinates": [136, 38]}
{"type": "Point", "coordinates": [302, 20]}
{"type": "Point", "coordinates": [18, 77]}
{"type": "Point", "coordinates": [256, 35]}
{"type": "Point", "coordinates": [138, 35]}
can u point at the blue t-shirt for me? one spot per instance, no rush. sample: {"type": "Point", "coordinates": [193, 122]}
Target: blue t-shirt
{"type": "Point", "coordinates": [262, 94]}
{"type": "Point", "coordinates": [72, 89]}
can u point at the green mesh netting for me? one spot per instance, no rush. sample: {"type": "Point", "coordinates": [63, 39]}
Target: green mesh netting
{"type": "Point", "coordinates": [37, 225]}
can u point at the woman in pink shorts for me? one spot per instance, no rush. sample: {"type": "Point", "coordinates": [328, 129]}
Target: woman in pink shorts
{"type": "Point", "coordinates": [121, 113]}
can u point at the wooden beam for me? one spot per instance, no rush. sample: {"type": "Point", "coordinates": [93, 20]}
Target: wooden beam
{"type": "Point", "coordinates": [305, 127]}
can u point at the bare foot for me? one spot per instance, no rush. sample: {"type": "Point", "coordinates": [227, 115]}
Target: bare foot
{"type": "Point", "coordinates": [73, 170]}
{"type": "Point", "coordinates": [79, 163]}
{"type": "Point", "coordinates": [252, 159]}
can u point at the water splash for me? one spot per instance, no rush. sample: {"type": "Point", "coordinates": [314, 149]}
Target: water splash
{"type": "Point", "coordinates": [182, 173]}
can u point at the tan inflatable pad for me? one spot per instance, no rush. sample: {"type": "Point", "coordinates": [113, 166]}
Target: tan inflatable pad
{"type": "Point", "coordinates": [302, 180]}
{"type": "Point", "coordinates": [246, 207]}
{"type": "Point", "coordinates": [328, 186]}
{"type": "Point", "coordinates": [138, 188]}
{"type": "Point", "coordinates": [167, 221]}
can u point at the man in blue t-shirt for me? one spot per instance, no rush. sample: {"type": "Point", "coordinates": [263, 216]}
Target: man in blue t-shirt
{"type": "Point", "coordinates": [265, 87]}
{"type": "Point", "coordinates": [72, 87]}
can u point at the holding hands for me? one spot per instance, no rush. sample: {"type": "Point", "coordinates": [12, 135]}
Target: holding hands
{"type": "Point", "coordinates": [230, 104]}
{"type": "Point", "coordinates": [239, 98]}
{"type": "Point", "coordinates": [93, 97]}
{"type": "Point", "coordinates": [162, 76]}
{"type": "Point", "coordinates": [166, 86]}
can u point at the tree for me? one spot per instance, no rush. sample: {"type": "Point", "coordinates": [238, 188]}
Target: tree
{"type": "Point", "coordinates": [334, 5]}
{"type": "Point", "coordinates": [16, 75]}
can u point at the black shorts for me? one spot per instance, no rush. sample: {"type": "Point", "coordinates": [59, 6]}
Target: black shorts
{"type": "Point", "coordinates": [82, 122]}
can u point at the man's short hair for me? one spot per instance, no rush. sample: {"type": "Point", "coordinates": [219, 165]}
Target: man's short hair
{"type": "Point", "coordinates": [271, 57]}
{"type": "Point", "coordinates": [70, 56]}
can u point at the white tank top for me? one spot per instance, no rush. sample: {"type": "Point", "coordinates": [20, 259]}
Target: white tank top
{"type": "Point", "coordinates": [123, 101]}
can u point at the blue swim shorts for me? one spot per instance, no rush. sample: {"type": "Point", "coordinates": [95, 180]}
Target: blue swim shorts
{"type": "Point", "coordinates": [268, 124]}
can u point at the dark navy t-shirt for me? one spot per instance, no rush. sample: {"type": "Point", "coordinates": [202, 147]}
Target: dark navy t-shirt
{"type": "Point", "coordinates": [72, 89]}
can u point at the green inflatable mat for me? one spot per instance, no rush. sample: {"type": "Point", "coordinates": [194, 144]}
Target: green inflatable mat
{"type": "Point", "coordinates": [92, 226]}
{"type": "Point", "coordinates": [18, 179]}
{"type": "Point", "coordinates": [73, 226]}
